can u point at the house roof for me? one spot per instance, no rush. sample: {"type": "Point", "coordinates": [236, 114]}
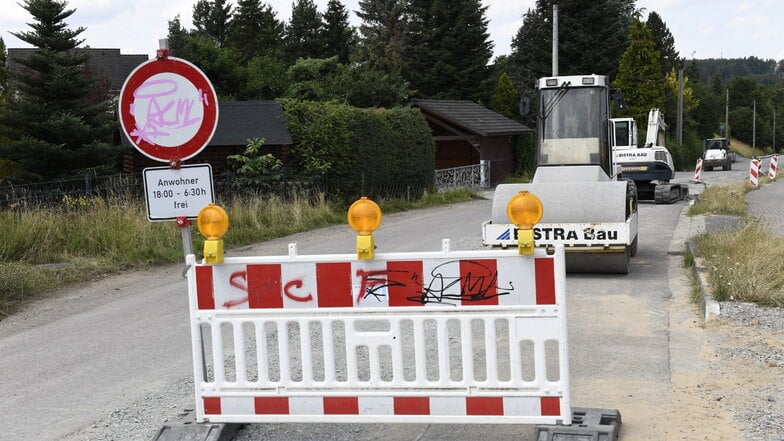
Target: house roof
{"type": "Point", "coordinates": [472, 117]}
{"type": "Point", "coordinates": [239, 121]}
{"type": "Point", "coordinates": [108, 64]}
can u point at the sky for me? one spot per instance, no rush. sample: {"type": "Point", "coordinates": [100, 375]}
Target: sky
{"type": "Point", "coordinates": [702, 28]}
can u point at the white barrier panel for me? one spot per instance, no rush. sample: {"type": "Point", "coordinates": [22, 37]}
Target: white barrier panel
{"type": "Point", "coordinates": [774, 164]}
{"type": "Point", "coordinates": [754, 167]}
{"type": "Point", "coordinates": [441, 337]}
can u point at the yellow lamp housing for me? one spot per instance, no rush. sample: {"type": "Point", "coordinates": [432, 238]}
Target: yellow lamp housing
{"type": "Point", "coordinates": [524, 210]}
{"type": "Point", "coordinates": [213, 222]}
{"type": "Point", "coordinates": [364, 217]}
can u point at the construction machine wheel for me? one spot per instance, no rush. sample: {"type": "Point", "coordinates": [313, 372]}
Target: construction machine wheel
{"type": "Point", "coordinates": [603, 262]}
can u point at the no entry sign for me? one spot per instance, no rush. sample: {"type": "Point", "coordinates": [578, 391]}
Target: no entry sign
{"type": "Point", "coordinates": [168, 109]}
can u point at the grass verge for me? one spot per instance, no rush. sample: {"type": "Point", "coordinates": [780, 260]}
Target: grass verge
{"type": "Point", "coordinates": [743, 265]}
{"type": "Point", "coordinates": [45, 249]}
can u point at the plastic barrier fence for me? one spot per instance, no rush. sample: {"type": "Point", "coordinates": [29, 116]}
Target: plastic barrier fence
{"type": "Point", "coordinates": [440, 337]}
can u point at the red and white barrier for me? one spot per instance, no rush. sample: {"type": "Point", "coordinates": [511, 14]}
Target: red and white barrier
{"type": "Point", "coordinates": [754, 172]}
{"type": "Point", "coordinates": [774, 164]}
{"type": "Point", "coordinates": [698, 171]}
{"type": "Point", "coordinates": [439, 337]}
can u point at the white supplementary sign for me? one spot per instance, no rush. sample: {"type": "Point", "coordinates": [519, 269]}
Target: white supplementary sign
{"type": "Point", "coordinates": [171, 193]}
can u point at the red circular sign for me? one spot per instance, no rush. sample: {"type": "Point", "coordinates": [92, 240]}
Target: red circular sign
{"type": "Point", "coordinates": [168, 109]}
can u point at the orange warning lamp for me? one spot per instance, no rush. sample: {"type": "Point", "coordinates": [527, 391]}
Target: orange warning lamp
{"type": "Point", "coordinates": [364, 217]}
{"type": "Point", "coordinates": [524, 210]}
{"type": "Point", "coordinates": [213, 222]}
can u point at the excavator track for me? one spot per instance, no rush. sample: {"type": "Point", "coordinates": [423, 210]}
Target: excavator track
{"type": "Point", "coordinates": [670, 193]}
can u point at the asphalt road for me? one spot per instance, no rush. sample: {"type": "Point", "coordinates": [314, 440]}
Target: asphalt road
{"type": "Point", "coordinates": [111, 359]}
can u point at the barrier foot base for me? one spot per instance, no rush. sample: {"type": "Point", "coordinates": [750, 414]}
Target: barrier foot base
{"type": "Point", "coordinates": [187, 429]}
{"type": "Point", "coordinates": [587, 425]}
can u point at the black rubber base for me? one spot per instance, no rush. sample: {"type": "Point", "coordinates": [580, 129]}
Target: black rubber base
{"type": "Point", "coordinates": [587, 425]}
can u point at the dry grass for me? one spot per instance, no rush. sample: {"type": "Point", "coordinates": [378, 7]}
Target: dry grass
{"type": "Point", "coordinates": [43, 249]}
{"type": "Point", "coordinates": [724, 199]}
{"type": "Point", "coordinates": [745, 265]}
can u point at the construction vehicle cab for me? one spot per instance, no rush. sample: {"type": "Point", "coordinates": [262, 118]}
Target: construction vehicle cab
{"type": "Point", "coordinates": [586, 207]}
{"type": "Point", "coordinates": [716, 153]}
{"type": "Point", "coordinates": [651, 166]}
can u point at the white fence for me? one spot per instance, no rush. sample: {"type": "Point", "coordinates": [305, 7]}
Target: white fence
{"type": "Point", "coordinates": [471, 176]}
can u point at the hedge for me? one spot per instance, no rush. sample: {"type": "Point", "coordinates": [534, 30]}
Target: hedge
{"type": "Point", "coordinates": [360, 152]}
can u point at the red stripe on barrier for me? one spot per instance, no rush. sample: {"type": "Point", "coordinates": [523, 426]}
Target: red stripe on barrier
{"type": "Point", "coordinates": [401, 277]}
{"type": "Point", "coordinates": [271, 405]}
{"type": "Point", "coordinates": [212, 405]}
{"type": "Point", "coordinates": [478, 282]}
{"type": "Point", "coordinates": [551, 406]}
{"type": "Point", "coordinates": [264, 286]}
{"type": "Point", "coordinates": [341, 406]}
{"type": "Point", "coordinates": [484, 406]}
{"type": "Point", "coordinates": [205, 293]}
{"type": "Point", "coordinates": [545, 281]}
{"type": "Point", "coordinates": [412, 405]}
{"type": "Point", "coordinates": [334, 285]}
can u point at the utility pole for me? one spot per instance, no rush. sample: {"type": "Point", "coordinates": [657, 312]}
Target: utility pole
{"type": "Point", "coordinates": [774, 131]}
{"type": "Point", "coordinates": [754, 129]}
{"type": "Point", "coordinates": [679, 132]}
{"type": "Point", "coordinates": [727, 116]}
{"type": "Point", "coordinates": [555, 40]}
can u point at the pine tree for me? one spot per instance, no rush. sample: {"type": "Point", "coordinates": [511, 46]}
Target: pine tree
{"type": "Point", "coordinates": [592, 37]}
{"type": "Point", "coordinates": [303, 32]}
{"type": "Point", "coordinates": [339, 38]}
{"type": "Point", "coordinates": [255, 30]}
{"type": "Point", "coordinates": [665, 43]}
{"type": "Point", "coordinates": [3, 76]}
{"type": "Point", "coordinates": [639, 76]}
{"type": "Point", "coordinates": [505, 97]}
{"type": "Point", "coordinates": [213, 18]}
{"type": "Point", "coordinates": [56, 122]}
{"type": "Point", "coordinates": [382, 34]}
{"type": "Point", "coordinates": [447, 49]}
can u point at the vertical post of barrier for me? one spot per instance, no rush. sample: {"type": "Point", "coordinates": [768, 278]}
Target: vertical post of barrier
{"type": "Point", "coordinates": [185, 231]}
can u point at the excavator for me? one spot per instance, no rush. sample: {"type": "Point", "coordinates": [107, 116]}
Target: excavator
{"type": "Point", "coordinates": [651, 166]}
{"type": "Point", "coordinates": [587, 207]}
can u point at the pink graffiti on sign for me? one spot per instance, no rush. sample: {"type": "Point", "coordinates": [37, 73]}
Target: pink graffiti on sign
{"type": "Point", "coordinates": [165, 108]}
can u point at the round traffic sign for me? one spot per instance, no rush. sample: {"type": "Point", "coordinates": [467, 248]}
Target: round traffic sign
{"type": "Point", "coordinates": [168, 109]}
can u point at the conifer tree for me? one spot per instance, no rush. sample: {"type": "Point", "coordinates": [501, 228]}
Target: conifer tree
{"type": "Point", "coordinates": [338, 36]}
{"type": "Point", "coordinates": [255, 30]}
{"type": "Point", "coordinates": [213, 19]}
{"type": "Point", "coordinates": [57, 122]}
{"type": "Point", "coordinates": [639, 75]}
{"type": "Point", "coordinates": [505, 97]}
{"type": "Point", "coordinates": [382, 34]}
{"type": "Point", "coordinates": [448, 49]}
{"type": "Point", "coordinates": [592, 37]}
{"type": "Point", "coordinates": [303, 32]}
{"type": "Point", "coordinates": [664, 41]}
